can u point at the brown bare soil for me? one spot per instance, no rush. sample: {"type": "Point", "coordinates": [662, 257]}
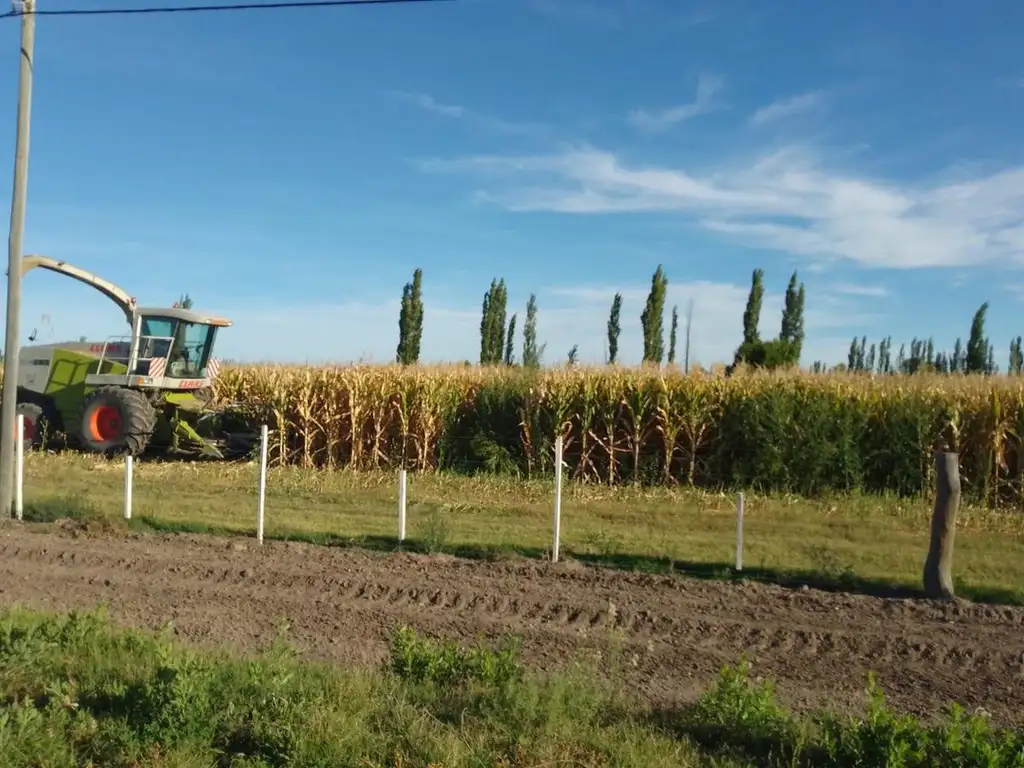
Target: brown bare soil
{"type": "Point", "coordinates": [664, 637]}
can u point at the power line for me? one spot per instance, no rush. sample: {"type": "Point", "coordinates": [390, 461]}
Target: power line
{"type": "Point", "coordinates": [281, 5]}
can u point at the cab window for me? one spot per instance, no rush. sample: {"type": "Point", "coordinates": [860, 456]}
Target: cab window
{"type": "Point", "coordinates": [161, 328]}
{"type": "Point", "coordinates": [190, 350]}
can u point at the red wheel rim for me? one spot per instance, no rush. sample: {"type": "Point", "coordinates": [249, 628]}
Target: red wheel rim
{"type": "Point", "coordinates": [105, 423]}
{"type": "Point", "coordinates": [29, 429]}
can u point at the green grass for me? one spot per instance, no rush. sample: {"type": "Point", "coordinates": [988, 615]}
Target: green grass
{"type": "Point", "coordinates": [75, 692]}
{"type": "Point", "coordinates": [863, 543]}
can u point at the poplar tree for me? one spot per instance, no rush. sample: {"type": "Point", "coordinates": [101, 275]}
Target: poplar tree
{"type": "Point", "coordinates": [885, 355]}
{"type": "Point", "coordinates": [531, 354]}
{"type": "Point", "coordinates": [793, 317]}
{"type": "Point", "coordinates": [614, 328]}
{"type": "Point", "coordinates": [976, 359]}
{"type": "Point", "coordinates": [672, 335]}
{"type": "Point", "coordinates": [752, 313]}
{"type": "Point", "coordinates": [510, 340]}
{"type": "Point", "coordinates": [410, 321]}
{"type": "Point", "coordinates": [652, 320]}
{"type": "Point", "coordinates": [492, 323]}
{"type": "Point", "coordinates": [499, 304]}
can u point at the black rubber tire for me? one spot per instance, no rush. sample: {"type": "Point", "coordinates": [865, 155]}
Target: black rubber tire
{"type": "Point", "coordinates": [36, 424]}
{"type": "Point", "coordinates": [137, 422]}
{"type": "Point", "coordinates": [42, 412]}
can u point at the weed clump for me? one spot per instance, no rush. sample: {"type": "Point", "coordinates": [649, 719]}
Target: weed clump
{"type": "Point", "coordinates": [420, 660]}
{"type": "Point", "coordinates": [738, 718]}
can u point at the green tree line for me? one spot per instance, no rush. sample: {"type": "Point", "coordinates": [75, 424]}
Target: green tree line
{"type": "Point", "coordinates": [498, 341]}
{"type": "Point", "coordinates": [498, 330]}
{"type": "Point", "coordinates": [978, 356]}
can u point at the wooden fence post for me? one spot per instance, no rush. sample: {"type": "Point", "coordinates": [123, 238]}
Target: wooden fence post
{"type": "Point", "coordinates": [938, 567]}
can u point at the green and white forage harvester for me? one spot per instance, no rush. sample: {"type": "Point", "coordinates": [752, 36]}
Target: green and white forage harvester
{"type": "Point", "coordinates": [148, 390]}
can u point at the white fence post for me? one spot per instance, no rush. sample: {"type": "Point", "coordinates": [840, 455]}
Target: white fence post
{"type": "Point", "coordinates": [402, 480]}
{"type": "Point", "coordinates": [19, 468]}
{"type": "Point", "coordinates": [558, 499]}
{"type": "Point", "coordinates": [129, 464]}
{"type": "Point", "coordinates": [739, 532]}
{"type": "Point", "coordinates": [262, 497]}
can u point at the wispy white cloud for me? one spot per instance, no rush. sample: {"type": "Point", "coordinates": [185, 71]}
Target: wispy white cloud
{"type": "Point", "coordinates": [786, 200]}
{"type": "Point", "coordinates": [1016, 290]}
{"type": "Point", "coordinates": [855, 289]}
{"type": "Point", "coordinates": [654, 121]}
{"type": "Point", "coordinates": [428, 103]}
{"type": "Point", "coordinates": [783, 108]}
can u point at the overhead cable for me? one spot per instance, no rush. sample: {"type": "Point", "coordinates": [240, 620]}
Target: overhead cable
{"type": "Point", "coordinates": [279, 5]}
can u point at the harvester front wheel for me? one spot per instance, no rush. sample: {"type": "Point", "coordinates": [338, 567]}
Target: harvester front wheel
{"type": "Point", "coordinates": [36, 424]}
{"type": "Point", "coordinates": [117, 420]}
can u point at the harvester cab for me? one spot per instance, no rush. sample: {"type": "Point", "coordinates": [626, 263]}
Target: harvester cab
{"type": "Point", "coordinates": [170, 349]}
{"type": "Point", "coordinates": [125, 393]}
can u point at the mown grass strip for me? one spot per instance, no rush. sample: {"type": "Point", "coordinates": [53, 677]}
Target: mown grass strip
{"type": "Point", "coordinates": [434, 539]}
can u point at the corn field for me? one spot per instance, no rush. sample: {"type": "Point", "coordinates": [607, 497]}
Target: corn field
{"type": "Point", "coordinates": [799, 433]}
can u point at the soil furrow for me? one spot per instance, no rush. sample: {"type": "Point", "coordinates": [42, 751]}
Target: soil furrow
{"type": "Point", "coordinates": [664, 637]}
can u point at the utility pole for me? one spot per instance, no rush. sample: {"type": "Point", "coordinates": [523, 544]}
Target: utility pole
{"type": "Point", "coordinates": [8, 405]}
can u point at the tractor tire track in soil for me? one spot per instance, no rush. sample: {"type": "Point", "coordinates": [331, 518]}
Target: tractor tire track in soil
{"type": "Point", "coordinates": [664, 637]}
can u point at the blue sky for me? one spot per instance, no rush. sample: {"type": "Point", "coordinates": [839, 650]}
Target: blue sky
{"type": "Point", "coordinates": [291, 169]}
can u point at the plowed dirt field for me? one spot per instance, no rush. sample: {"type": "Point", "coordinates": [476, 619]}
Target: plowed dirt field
{"type": "Point", "coordinates": [664, 637]}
